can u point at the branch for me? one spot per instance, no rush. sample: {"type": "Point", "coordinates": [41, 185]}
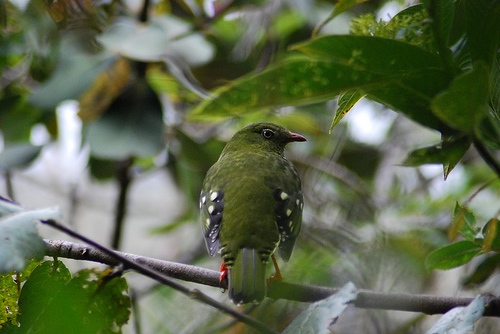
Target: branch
{"type": "Point", "coordinates": [427, 304]}
{"type": "Point", "coordinates": [146, 271]}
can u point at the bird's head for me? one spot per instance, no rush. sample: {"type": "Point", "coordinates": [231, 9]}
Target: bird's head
{"type": "Point", "coordinates": [263, 136]}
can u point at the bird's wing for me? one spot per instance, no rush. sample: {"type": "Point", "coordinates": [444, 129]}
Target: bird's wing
{"type": "Point", "coordinates": [288, 211]}
{"type": "Point", "coordinates": [211, 207]}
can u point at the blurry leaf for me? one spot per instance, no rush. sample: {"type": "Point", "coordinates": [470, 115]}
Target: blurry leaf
{"type": "Point", "coordinates": [8, 207]}
{"type": "Point", "coordinates": [491, 236]}
{"type": "Point", "coordinates": [488, 130]}
{"type": "Point", "coordinates": [319, 316]}
{"type": "Point", "coordinates": [464, 103]}
{"type": "Point", "coordinates": [17, 117]}
{"type": "Point", "coordinates": [105, 89]}
{"type": "Point", "coordinates": [53, 302]}
{"type": "Point", "coordinates": [463, 222]}
{"type": "Point", "coordinates": [402, 76]}
{"type": "Point", "coordinates": [448, 153]}
{"type": "Point", "coordinates": [346, 101]}
{"type": "Point", "coordinates": [18, 155]}
{"type": "Point", "coordinates": [452, 255]}
{"type": "Point", "coordinates": [152, 41]}
{"type": "Point", "coordinates": [459, 320]}
{"type": "Point", "coordinates": [441, 13]}
{"type": "Point", "coordinates": [487, 266]}
{"type": "Point", "coordinates": [132, 126]}
{"type": "Point", "coordinates": [75, 72]}
{"type": "Point", "coordinates": [19, 239]}
{"type": "Point", "coordinates": [483, 29]}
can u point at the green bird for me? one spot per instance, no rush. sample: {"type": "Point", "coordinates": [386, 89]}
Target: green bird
{"type": "Point", "coordinates": [251, 205]}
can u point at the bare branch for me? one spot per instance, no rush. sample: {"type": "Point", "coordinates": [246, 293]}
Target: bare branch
{"type": "Point", "coordinates": [427, 304]}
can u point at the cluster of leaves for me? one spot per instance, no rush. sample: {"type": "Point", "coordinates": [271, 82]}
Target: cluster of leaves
{"type": "Point", "coordinates": [90, 301]}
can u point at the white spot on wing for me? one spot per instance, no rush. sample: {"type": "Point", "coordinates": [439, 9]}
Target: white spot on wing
{"type": "Point", "coordinates": [213, 195]}
{"type": "Point", "coordinates": [288, 212]}
{"type": "Point", "coordinates": [207, 222]}
{"type": "Point", "coordinates": [297, 201]}
{"type": "Point", "coordinates": [284, 195]}
{"type": "Point", "coordinates": [204, 200]}
{"type": "Point", "coordinates": [211, 209]}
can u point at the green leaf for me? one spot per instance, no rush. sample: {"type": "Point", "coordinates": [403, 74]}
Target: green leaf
{"type": "Point", "coordinates": [452, 255]}
{"type": "Point", "coordinates": [346, 101]}
{"type": "Point", "coordinates": [442, 13]}
{"type": "Point", "coordinates": [18, 155]}
{"type": "Point", "coordinates": [19, 239]}
{"type": "Point", "coordinates": [448, 153]}
{"type": "Point", "coordinates": [131, 127]}
{"type": "Point", "coordinates": [463, 222]}
{"type": "Point", "coordinates": [53, 302]}
{"type": "Point", "coordinates": [483, 29]}
{"type": "Point", "coordinates": [464, 103]}
{"type": "Point", "coordinates": [400, 75]}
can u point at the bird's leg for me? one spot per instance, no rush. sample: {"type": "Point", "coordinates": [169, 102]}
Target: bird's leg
{"type": "Point", "coordinates": [277, 276]}
{"type": "Point", "coordinates": [223, 273]}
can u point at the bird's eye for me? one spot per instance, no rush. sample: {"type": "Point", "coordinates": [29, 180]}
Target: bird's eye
{"type": "Point", "coordinates": [268, 134]}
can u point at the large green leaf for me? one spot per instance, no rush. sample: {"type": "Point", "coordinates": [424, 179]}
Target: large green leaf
{"type": "Point", "coordinates": [52, 301]}
{"type": "Point", "coordinates": [452, 255]}
{"type": "Point", "coordinates": [400, 75]}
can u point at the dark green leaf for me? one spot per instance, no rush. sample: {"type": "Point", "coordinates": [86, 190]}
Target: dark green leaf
{"type": "Point", "coordinates": [53, 302]}
{"type": "Point", "coordinates": [400, 75]}
{"type": "Point", "coordinates": [452, 256]}
{"type": "Point", "coordinates": [18, 155]}
{"type": "Point", "coordinates": [464, 103]}
{"type": "Point", "coordinates": [483, 29]}
{"type": "Point", "coordinates": [448, 153]}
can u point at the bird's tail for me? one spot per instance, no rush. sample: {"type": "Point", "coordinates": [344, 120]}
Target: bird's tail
{"type": "Point", "coordinates": [247, 277]}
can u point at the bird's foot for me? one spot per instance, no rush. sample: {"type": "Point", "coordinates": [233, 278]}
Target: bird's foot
{"type": "Point", "coordinates": [277, 275]}
{"type": "Point", "coordinates": [223, 275]}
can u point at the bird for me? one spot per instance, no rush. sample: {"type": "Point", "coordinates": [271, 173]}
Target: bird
{"type": "Point", "coordinates": [251, 205]}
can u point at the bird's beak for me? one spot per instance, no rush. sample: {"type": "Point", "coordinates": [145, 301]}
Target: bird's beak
{"type": "Point", "coordinates": [296, 137]}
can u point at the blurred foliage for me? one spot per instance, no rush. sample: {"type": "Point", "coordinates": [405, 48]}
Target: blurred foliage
{"type": "Point", "coordinates": [143, 73]}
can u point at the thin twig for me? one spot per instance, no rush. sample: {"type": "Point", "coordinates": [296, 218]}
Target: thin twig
{"type": "Point", "coordinates": [427, 304]}
{"type": "Point", "coordinates": [124, 179]}
{"type": "Point", "coordinates": [194, 294]}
